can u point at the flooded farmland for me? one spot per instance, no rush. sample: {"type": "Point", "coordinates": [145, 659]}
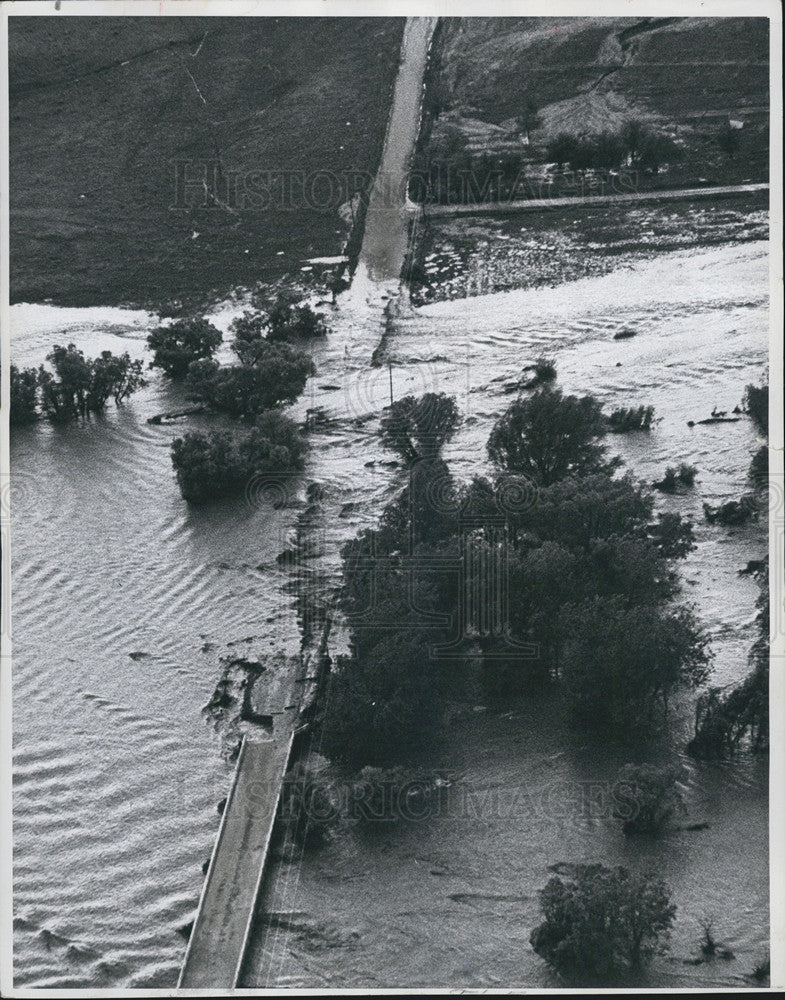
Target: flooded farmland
{"type": "Point", "coordinates": [117, 639]}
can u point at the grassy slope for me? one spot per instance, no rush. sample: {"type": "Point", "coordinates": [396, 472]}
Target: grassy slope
{"type": "Point", "coordinates": [684, 74]}
{"type": "Point", "coordinates": [101, 107]}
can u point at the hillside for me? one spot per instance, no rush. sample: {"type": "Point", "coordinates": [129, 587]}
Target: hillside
{"type": "Point", "coordinates": [103, 109]}
{"type": "Point", "coordinates": [684, 77]}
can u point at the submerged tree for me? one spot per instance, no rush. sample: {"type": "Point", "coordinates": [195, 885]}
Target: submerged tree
{"type": "Point", "coordinates": [384, 701]}
{"type": "Point", "coordinates": [646, 797]}
{"type": "Point", "coordinates": [182, 342]}
{"type": "Point", "coordinates": [602, 921]}
{"type": "Point", "coordinates": [724, 719]}
{"type": "Point", "coordinates": [278, 375]}
{"type": "Point", "coordinates": [209, 465]}
{"type": "Point", "coordinates": [550, 436]}
{"type": "Point", "coordinates": [23, 396]}
{"type": "Point", "coordinates": [80, 386]}
{"type": "Point", "coordinates": [620, 665]}
{"type": "Point", "coordinates": [756, 398]}
{"type": "Point", "coordinates": [418, 428]}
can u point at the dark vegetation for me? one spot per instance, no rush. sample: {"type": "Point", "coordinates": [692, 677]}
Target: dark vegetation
{"type": "Point", "coordinates": [277, 376]}
{"type": "Point", "coordinates": [547, 436]}
{"type": "Point", "coordinates": [208, 465]}
{"type": "Point", "coordinates": [270, 373]}
{"type": "Point", "coordinates": [756, 399]}
{"type": "Point", "coordinates": [615, 104]}
{"type": "Point", "coordinates": [589, 573]}
{"type": "Point", "coordinates": [675, 479]}
{"type": "Point", "coordinates": [738, 715]}
{"type": "Point", "coordinates": [23, 396]}
{"type": "Point", "coordinates": [176, 346]}
{"type": "Point", "coordinates": [603, 921]}
{"type": "Point", "coordinates": [75, 388]}
{"type": "Point", "coordinates": [217, 95]}
{"type": "Point", "coordinates": [631, 418]}
{"type": "Point", "coordinates": [728, 718]}
{"type": "Point", "coordinates": [748, 506]}
{"type": "Point", "coordinates": [647, 797]}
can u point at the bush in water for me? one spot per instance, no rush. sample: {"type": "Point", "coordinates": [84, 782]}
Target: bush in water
{"type": "Point", "coordinates": [631, 418]}
{"type": "Point", "coordinates": [602, 921]}
{"type": "Point", "coordinates": [208, 465]}
{"type": "Point", "coordinates": [756, 398]}
{"type": "Point", "coordinates": [184, 341]}
{"type": "Point", "coordinates": [646, 797]}
{"type": "Point", "coordinates": [278, 375]}
{"type": "Point", "coordinates": [24, 396]}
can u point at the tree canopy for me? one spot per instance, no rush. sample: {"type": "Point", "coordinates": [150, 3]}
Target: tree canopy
{"type": "Point", "coordinates": [182, 342]}
{"type": "Point", "coordinates": [602, 921]}
{"type": "Point", "coordinates": [80, 386]}
{"type": "Point", "coordinates": [547, 436]}
{"type": "Point", "coordinates": [418, 428]}
{"type": "Point", "coordinates": [278, 375]}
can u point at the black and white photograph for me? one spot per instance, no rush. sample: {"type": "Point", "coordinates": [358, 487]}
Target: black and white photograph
{"type": "Point", "coordinates": [393, 522]}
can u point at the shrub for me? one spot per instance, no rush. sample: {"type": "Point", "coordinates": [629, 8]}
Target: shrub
{"type": "Point", "coordinates": [24, 396]}
{"type": "Point", "coordinates": [278, 375]}
{"type": "Point", "coordinates": [176, 346]}
{"type": "Point", "coordinates": [686, 474]}
{"type": "Point", "coordinates": [603, 921]}
{"type": "Point", "coordinates": [208, 465]}
{"type": "Point", "coordinates": [80, 386]}
{"type": "Point", "coordinates": [544, 371]}
{"type": "Point", "coordinates": [550, 436]}
{"type": "Point", "coordinates": [756, 399]}
{"type": "Point", "coordinates": [296, 321]}
{"type": "Point", "coordinates": [758, 474]}
{"type": "Point", "coordinates": [631, 419]}
{"type": "Point", "coordinates": [674, 478]}
{"type": "Point", "coordinates": [733, 512]}
{"type": "Point", "coordinates": [280, 320]}
{"type": "Point", "coordinates": [646, 798]}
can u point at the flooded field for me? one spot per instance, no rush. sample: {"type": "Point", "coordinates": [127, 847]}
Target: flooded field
{"type": "Point", "coordinates": [125, 598]}
{"type": "Point", "coordinates": [474, 256]}
{"type": "Point", "coordinates": [451, 900]}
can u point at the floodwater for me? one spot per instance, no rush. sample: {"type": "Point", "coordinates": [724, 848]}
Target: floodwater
{"type": "Point", "coordinates": [116, 771]}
